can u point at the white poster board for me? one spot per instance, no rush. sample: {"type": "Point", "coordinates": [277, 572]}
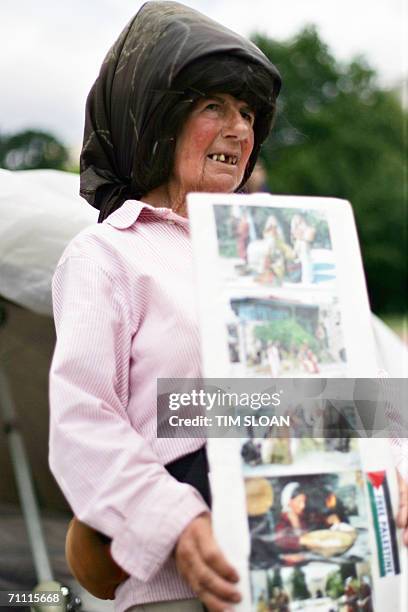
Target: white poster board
{"type": "Point", "coordinates": [281, 293]}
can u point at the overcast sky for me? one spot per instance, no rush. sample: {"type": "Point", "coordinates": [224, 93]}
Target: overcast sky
{"type": "Point", "coordinates": [52, 50]}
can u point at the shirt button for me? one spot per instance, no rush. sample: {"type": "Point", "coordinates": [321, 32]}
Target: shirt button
{"type": "Point", "coordinates": [170, 222]}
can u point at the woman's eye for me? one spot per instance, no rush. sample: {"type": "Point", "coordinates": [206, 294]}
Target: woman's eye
{"type": "Point", "coordinates": [212, 106]}
{"type": "Point", "coordinates": [250, 117]}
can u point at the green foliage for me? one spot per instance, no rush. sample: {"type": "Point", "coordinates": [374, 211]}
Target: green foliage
{"type": "Point", "coordinates": [299, 587]}
{"type": "Point", "coordinates": [228, 248]}
{"type": "Point", "coordinates": [338, 133]}
{"type": "Point", "coordinates": [334, 585]}
{"type": "Point", "coordinates": [399, 325]}
{"type": "Point", "coordinates": [72, 167]}
{"type": "Point", "coordinates": [226, 231]}
{"type": "Point", "coordinates": [288, 332]}
{"type": "Point", "coordinates": [274, 581]}
{"type": "Point", "coordinates": [31, 150]}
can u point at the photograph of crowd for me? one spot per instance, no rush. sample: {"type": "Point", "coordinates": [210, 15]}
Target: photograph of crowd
{"type": "Point", "coordinates": [286, 452]}
{"type": "Point", "coordinates": [275, 336]}
{"type": "Point", "coordinates": [315, 588]}
{"type": "Point", "coordinates": [309, 542]}
{"type": "Point", "coordinates": [274, 247]}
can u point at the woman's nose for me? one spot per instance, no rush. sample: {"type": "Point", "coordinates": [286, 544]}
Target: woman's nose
{"type": "Point", "coordinates": [236, 126]}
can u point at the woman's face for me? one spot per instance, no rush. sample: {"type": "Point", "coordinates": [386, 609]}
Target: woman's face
{"type": "Point", "coordinates": [214, 146]}
{"type": "Point", "coordinates": [298, 503]}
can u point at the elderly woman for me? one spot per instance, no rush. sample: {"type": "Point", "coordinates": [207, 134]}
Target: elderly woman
{"type": "Point", "coordinates": [181, 104]}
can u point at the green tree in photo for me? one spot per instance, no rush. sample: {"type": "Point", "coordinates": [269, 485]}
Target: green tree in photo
{"type": "Point", "coordinates": [226, 231]}
{"type": "Point", "coordinates": [334, 585]}
{"type": "Point", "coordinates": [274, 580]}
{"type": "Point", "coordinates": [288, 332]}
{"type": "Point", "coordinates": [299, 587]}
{"type": "Point", "coordinates": [339, 133]}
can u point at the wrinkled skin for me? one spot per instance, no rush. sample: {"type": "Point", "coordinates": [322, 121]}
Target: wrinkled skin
{"type": "Point", "coordinates": [220, 124]}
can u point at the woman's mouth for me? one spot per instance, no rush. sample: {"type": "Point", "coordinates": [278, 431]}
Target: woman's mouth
{"type": "Point", "coordinates": [230, 160]}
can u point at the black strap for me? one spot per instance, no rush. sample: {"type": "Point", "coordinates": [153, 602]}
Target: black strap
{"type": "Point", "coordinates": [193, 469]}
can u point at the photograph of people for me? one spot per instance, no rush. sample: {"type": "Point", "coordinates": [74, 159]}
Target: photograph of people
{"type": "Point", "coordinates": [301, 514]}
{"type": "Point", "coordinates": [298, 521]}
{"type": "Point", "coordinates": [323, 589]}
{"type": "Point", "coordinates": [285, 336]}
{"type": "Point", "coordinates": [271, 264]}
{"type": "Point", "coordinates": [282, 248]}
{"type": "Point", "coordinates": [181, 104]}
{"type": "Point", "coordinates": [309, 541]}
{"type": "Point", "coordinates": [280, 452]}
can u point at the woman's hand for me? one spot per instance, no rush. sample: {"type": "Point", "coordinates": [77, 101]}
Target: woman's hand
{"type": "Point", "coordinates": [202, 564]}
{"type": "Point", "coordinates": [402, 516]}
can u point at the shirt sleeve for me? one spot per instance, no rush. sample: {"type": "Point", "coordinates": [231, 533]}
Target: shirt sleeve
{"type": "Point", "coordinates": [109, 474]}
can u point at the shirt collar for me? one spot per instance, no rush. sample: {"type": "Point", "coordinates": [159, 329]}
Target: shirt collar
{"type": "Point", "coordinates": [130, 211]}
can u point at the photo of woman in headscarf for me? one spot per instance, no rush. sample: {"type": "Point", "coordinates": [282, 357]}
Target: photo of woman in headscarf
{"type": "Point", "coordinates": [305, 520]}
{"type": "Point", "coordinates": [181, 104]}
{"type": "Point", "coordinates": [292, 521]}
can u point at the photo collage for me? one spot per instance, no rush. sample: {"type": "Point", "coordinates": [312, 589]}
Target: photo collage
{"type": "Point", "coordinates": [308, 522]}
{"type": "Point", "coordinates": [279, 270]}
{"type": "Point", "coordinates": [309, 542]}
{"type": "Point", "coordinates": [307, 511]}
{"type": "Point", "coordinates": [306, 498]}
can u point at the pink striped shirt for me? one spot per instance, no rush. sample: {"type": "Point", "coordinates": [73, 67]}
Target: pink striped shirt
{"type": "Point", "coordinates": [125, 315]}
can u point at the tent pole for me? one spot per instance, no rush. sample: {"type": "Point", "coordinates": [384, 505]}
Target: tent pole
{"type": "Point", "coordinates": [24, 483]}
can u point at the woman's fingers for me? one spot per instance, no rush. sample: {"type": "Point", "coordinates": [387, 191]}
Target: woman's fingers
{"type": "Point", "coordinates": [205, 568]}
{"type": "Point", "coordinates": [402, 515]}
{"type": "Point", "coordinates": [214, 583]}
{"type": "Point", "coordinates": [213, 557]}
{"type": "Point", "coordinates": [213, 604]}
{"type": "Point", "coordinates": [209, 585]}
{"type": "Point", "coordinates": [215, 592]}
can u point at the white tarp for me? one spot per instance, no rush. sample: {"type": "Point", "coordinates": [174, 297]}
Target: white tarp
{"type": "Point", "coordinates": [40, 211]}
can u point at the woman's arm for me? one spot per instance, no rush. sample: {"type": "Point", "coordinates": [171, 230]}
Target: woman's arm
{"type": "Point", "coordinates": [107, 471]}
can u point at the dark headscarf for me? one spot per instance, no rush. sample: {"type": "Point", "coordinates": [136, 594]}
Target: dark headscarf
{"type": "Point", "coordinates": [135, 78]}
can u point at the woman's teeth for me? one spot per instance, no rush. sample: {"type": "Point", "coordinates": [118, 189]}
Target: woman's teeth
{"type": "Point", "coordinates": [226, 159]}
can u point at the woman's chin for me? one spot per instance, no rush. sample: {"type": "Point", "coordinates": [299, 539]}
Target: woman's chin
{"type": "Point", "coordinates": [220, 184]}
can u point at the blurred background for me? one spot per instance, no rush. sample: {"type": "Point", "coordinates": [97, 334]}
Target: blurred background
{"type": "Point", "coordinates": [341, 131]}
